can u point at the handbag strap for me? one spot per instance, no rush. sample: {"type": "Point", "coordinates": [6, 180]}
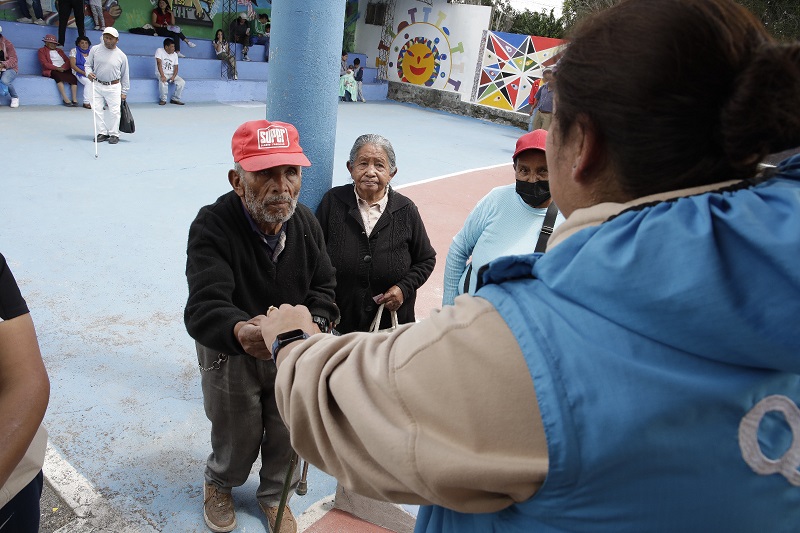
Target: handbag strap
{"type": "Point", "coordinates": [376, 322]}
{"type": "Point", "coordinates": [547, 227]}
{"type": "Point", "coordinates": [375, 327]}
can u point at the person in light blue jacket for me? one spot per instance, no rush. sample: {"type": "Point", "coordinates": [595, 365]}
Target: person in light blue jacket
{"type": "Point", "coordinates": [507, 221]}
{"type": "Point", "coordinates": [643, 375]}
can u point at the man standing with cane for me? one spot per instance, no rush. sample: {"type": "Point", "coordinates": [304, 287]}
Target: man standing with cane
{"type": "Point", "coordinates": [107, 67]}
{"type": "Point", "coordinates": [253, 249]}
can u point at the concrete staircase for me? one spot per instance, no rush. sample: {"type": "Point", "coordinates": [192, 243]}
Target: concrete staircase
{"type": "Point", "coordinates": [203, 72]}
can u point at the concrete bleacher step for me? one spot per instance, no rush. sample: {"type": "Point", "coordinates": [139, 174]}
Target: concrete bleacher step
{"type": "Point", "coordinates": [203, 72]}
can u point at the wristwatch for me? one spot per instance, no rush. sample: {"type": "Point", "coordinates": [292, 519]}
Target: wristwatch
{"type": "Point", "coordinates": [287, 337]}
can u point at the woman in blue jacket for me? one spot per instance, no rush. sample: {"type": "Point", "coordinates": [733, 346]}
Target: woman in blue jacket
{"type": "Point", "coordinates": [644, 374]}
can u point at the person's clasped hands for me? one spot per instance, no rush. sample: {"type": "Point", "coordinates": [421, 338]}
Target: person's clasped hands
{"type": "Point", "coordinates": [258, 334]}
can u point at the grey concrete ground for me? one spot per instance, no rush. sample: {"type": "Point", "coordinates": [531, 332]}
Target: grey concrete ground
{"type": "Point", "coordinates": [98, 248]}
{"type": "Point", "coordinates": [55, 511]}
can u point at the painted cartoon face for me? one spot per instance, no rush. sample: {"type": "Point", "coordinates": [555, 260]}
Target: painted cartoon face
{"type": "Point", "coordinates": [418, 63]}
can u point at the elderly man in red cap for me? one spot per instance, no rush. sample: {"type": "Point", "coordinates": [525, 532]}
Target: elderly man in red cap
{"type": "Point", "coordinates": [511, 220]}
{"type": "Point", "coordinates": [252, 249]}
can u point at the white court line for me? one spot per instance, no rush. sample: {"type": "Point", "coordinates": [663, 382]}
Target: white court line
{"type": "Point", "coordinates": [93, 511]}
{"type": "Point", "coordinates": [437, 178]}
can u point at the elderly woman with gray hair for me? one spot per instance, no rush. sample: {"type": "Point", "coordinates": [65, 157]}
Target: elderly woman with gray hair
{"type": "Point", "coordinates": [375, 238]}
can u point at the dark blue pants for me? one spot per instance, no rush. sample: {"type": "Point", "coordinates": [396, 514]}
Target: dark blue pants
{"type": "Point", "coordinates": [21, 514]}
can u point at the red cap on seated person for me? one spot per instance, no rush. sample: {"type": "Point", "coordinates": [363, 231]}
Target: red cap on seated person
{"type": "Point", "coordinates": [534, 140]}
{"type": "Point", "coordinates": [50, 38]}
{"type": "Point", "coordinates": [261, 144]}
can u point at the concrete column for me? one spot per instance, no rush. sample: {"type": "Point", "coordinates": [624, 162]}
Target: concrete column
{"type": "Point", "coordinates": [303, 84]}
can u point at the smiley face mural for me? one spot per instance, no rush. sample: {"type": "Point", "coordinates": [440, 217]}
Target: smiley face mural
{"type": "Point", "coordinates": [420, 52]}
{"type": "Point", "coordinates": [418, 62]}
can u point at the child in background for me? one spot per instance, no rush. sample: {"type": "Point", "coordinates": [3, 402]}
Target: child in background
{"type": "Point", "coordinates": [97, 14]}
{"type": "Point", "coordinates": [347, 86]}
{"type": "Point", "coordinates": [358, 74]}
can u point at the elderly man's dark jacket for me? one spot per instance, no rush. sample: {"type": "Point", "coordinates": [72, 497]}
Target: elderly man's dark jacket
{"type": "Point", "coordinates": [232, 277]}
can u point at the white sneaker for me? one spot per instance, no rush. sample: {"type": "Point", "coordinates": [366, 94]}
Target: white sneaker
{"type": "Point", "coordinates": [40, 22]}
{"type": "Point", "coordinates": [180, 54]}
{"type": "Point", "coordinates": [190, 44]}
{"type": "Point", "coordinates": [15, 102]}
{"type": "Point", "coordinates": [25, 20]}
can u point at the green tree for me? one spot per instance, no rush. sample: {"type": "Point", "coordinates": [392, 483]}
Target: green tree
{"type": "Point", "coordinates": [574, 10]}
{"type": "Point", "coordinates": [542, 24]}
{"type": "Point", "coordinates": [502, 14]}
{"type": "Point", "coordinates": [780, 17]}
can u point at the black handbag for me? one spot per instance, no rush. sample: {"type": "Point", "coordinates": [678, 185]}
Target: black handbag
{"type": "Point", "coordinates": [126, 124]}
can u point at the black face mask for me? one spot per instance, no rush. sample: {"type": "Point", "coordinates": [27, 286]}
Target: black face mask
{"type": "Point", "coordinates": [534, 193]}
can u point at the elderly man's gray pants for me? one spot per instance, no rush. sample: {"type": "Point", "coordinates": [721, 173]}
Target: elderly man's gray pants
{"type": "Point", "coordinates": [239, 399]}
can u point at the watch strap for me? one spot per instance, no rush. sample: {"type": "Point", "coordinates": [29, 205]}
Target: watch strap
{"type": "Point", "coordinates": [287, 337]}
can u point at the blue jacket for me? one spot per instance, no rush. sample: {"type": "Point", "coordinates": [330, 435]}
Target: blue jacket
{"type": "Point", "coordinates": [664, 346]}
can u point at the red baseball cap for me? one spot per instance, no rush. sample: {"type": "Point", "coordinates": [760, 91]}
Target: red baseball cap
{"type": "Point", "coordinates": [260, 144]}
{"type": "Point", "coordinates": [534, 140]}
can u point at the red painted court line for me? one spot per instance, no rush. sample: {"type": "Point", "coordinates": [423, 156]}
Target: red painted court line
{"type": "Point", "coordinates": [444, 205]}
{"type": "Point", "coordinates": [336, 521]}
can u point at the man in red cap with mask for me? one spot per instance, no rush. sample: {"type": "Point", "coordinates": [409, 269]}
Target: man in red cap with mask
{"type": "Point", "coordinates": [254, 248]}
{"type": "Point", "coordinates": [513, 219]}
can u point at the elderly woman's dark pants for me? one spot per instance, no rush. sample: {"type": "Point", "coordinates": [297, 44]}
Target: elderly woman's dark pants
{"type": "Point", "coordinates": [239, 399]}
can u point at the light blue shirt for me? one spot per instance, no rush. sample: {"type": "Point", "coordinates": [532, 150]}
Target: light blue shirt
{"type": "Point", "coordinates": [501, 224]}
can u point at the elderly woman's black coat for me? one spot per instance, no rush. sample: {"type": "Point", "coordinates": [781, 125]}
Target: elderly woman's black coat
{"type": "Point", "coordinates": [397, 252]}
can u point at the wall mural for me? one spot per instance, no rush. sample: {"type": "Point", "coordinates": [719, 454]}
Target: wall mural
{"type": "Point", "coordinates": [193, 12]}
{"type": "Point", "coordinates": [111, 11]}
{"type": "Point", "coordinates": [512, 66]}
{"type": "Point", "coordinates": [421, 52]}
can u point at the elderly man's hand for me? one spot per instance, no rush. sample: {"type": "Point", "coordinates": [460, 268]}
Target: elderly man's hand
{"type": "Point", "coordinates": [393, 298]}
{"type": "Point", "coordinates": [249, 336]}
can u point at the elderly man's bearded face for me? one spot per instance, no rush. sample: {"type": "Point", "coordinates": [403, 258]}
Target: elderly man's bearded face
{"type": "Point", "coordinates": [270, 195]}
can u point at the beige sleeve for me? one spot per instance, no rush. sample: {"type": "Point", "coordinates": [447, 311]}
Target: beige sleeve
{"type": "Point", "coordinates": [442, 411]}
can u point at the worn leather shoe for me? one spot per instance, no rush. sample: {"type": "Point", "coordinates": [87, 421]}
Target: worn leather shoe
{"type": "Point", "coordinates": [101, 137]}
{"type": "Point", "coordinates": [113, 140]}
{"type": "Point", "coordinates": [175, 101]}
{"type": "Point", "coordinates": [288, 522]}
{"type": "Point", "coordinates": [218, 509]}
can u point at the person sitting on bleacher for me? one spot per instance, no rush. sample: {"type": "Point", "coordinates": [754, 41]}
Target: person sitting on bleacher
{"type": "Point", "coordinates": [260, 35]}
{"type": "Point", "coordinates": [167, 72]}
{"type": "Point", "coordinates": [163, 21]}
{"type": "Point", "coordinates": [77, 59]}
{"type": "Point", "coordinates": [223, 50]}
{"type": "Point", "coordinates": [240, 33]}
{"type": "Point", "coordinates": [55, 65]}
{"type": "Point", "coordinates": [8, 69]}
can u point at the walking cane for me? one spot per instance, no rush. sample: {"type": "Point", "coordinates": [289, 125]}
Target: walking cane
{"type": "Point", "coordinates": [94, 121]}
{"type": "Point", "coordinates": [285, 493]}
{"type": "Point", "coordinates": [302, 487]}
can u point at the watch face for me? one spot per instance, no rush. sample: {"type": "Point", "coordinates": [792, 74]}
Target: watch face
{"type": "Point", "coordinates": [290, 335]}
